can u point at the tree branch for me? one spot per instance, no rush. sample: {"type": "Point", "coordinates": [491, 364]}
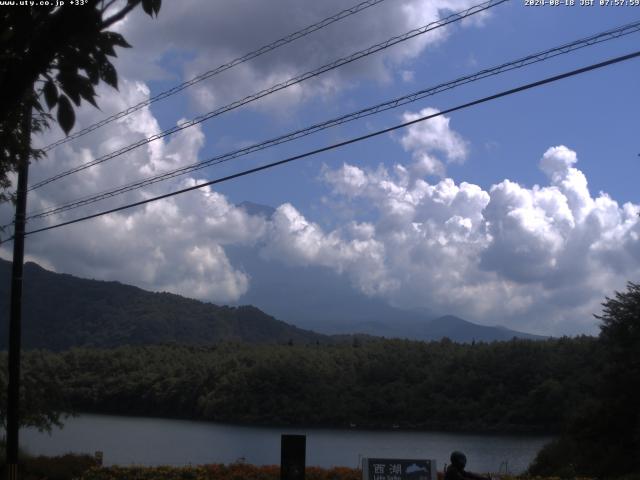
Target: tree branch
{"type": "Point", "coordinates": [120, 15]}
{"type": "Point", "coordinates": [104, 7]}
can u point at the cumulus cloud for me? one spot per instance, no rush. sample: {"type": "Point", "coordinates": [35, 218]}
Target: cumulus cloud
{"type": "Point", "coordinates": [201, 35]}
{"type": "Point", "coordinates": [426, 139]}
{"type": "Point", "coordinates": [176, 244]}
{"type": "Point", "coordinates": [294, 240]}
{"type": "Point", "coordinates": [179, 244]}
{"type": "Point", "coordinates": [540, 258]}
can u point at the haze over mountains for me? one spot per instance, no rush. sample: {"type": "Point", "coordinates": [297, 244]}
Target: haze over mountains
{"type": "Point", "coordinates": [319, 299]}
{"type": "Point", "coordinates": [61, 311]}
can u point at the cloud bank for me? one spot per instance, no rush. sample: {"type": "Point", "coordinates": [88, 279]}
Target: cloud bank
{"type": "Point", "coordinates": [176, 244]}
{"type": "Point", "coordinates": [535, 258]}
{"type": "Point", "coordinates": [539, 258]}
{"type": "Point", "coordinates": [201, 35]}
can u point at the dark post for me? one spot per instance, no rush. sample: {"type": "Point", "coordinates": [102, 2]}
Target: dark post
{"type": "Point", "coordinates": [292, 457]}
{"type": "Point", "coordinates": [13, 390]}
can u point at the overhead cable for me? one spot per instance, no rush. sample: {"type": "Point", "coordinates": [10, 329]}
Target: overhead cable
{"type": "Point", "coordinates": [280, 86]}
{"type": "Point", "coordinates": [505, 93]}
{"type": "Point", "coordinates": [206, 75]}
{"type": "Point", "coordinates": [412, 97]}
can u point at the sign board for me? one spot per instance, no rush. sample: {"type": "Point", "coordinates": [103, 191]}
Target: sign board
{"type": "Point", "coordinates": [398, 469]}
{"type": "Point", "coordinates": [292, 457]}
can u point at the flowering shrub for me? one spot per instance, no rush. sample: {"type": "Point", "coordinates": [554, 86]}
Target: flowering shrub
{"type": "Point", "coordinates": [239, 471]}
{"type": "Point", "coordinates": [234, 471]}
{"type": "Point", "coordinates": [63, 467]}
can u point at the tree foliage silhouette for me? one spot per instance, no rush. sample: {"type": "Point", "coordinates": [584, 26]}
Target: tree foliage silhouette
{"type": "Point", "coordinates": [51, 58]}
{"type": "Point", "coordinates": [603, 438]}
{"type": "Point", "coordinates": [620, 392]}
{"type": "Point", "coordinates": [51, 55]}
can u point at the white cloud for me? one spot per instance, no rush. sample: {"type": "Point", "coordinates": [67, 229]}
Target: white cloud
{"type": "Point", "coordinates": [294, 240]}
{"type": "Point", "coordinates": [201, 35]}
{"type": "Point", "coordinates": [176, 244]}
{"type": "Point", "coordinates": [408, 76]}
{"type": "Point", "coordinates": [539, 258]}
{"type": "Point", "coordinates": [424, 139]}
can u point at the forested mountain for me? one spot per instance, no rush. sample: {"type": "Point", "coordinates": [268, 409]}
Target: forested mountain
{"type": "Point", "coordinates": [61, 311]}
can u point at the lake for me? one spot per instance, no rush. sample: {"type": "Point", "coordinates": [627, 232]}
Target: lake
{"type": "Point", "coordinates": [156, 441]}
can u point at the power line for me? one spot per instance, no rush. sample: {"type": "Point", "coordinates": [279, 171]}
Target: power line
{"type": "Point", "coordinates": [280, 86]}
{"type": "Point", "coordinates": [348, 142]}
{"type": "Point", "coordinates": [512, 65]}
{"type": "Point", "coordinates": [204, 76]}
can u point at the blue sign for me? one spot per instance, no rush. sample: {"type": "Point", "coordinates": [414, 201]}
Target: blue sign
{"type": "Point", "coordinates": [398, 469]}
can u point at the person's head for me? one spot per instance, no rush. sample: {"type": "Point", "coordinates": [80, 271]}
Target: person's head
{"type": "Point", "coordinates": [458, 459]}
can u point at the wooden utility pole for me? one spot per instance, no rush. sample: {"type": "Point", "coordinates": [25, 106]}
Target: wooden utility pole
{"type": "Point", "coordinates": [15, 320]}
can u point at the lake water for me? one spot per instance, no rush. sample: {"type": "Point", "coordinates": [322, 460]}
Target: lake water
{"type": "Point", "coordinates": [155, 441]}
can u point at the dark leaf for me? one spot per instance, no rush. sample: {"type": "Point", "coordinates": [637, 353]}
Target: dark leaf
{"type": "Point", "coordinates": [147, 6]}
{"type": "Point", "coordinates": [93, 70]}
{"type": "Point", "coordinates": [77, 86]}
{"type": "Point", "coordinates": [6, 35]}
{"type": "Point", "coordinates": [107, 48]}
{"type": "Point", "coordinates": [70, 85]}
{"type": "Point", "coordinates": [50, 93]}
{"type": "Point", "coordinates": [156, 6]}
{"type": "Point", "coordinates": [93, 73]}
{"type": "Point", "coordinates": [100, 57]}
{"type": "Point", "coordinates": [86, 90]}
{"type": "Point", "coordinates": [66, 115]}
{"type": "Point", "coordinates": [70, 57]}
{"type": "Point", "coordinates": [116, 39]}
{"type": "Point", "coordinates": [109, 75]}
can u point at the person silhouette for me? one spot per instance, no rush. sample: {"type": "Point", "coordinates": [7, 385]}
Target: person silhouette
{"type": "Point", "coordinates": [456, 470]}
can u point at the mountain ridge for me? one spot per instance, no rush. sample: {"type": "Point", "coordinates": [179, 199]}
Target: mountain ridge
{"type": "Point", "coordinates": [99, 313]}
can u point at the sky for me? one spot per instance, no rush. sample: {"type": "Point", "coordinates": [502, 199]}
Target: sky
{"type": "Point", "coordinates": [521, 211]}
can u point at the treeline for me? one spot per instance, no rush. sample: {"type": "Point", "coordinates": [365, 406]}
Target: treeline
{"type": "Point", "coordinates": [519, 385]}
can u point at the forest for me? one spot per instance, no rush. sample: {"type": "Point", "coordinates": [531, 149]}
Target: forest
{"type": "Point", "coordinates": [520, 385]}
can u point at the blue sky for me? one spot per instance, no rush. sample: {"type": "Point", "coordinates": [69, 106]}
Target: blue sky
{"type": "Point", "coordinates": [592, 114]}
{"type": "Point", "coordinates": [456, 216]}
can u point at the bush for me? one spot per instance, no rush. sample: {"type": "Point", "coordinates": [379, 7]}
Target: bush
{"type": "Point", "coordinates": [65, 467]}
{"type": "Point", "coordinates": [235, 471]}
{"type": "Point", "coordinates": [553, 460]}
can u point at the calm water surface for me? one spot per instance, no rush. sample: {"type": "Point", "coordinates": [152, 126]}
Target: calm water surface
{"type": "Point", "coordinates": [154, 441]}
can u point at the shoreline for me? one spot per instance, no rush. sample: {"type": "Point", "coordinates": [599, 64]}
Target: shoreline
{"type": "Point", "coordinates": [515, 431]}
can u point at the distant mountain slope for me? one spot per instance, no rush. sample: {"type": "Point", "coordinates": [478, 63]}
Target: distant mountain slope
{"type": "Point", "coordinates": [464, 331]}
{"type": "Point", "coordinates": [454, 328]}
{"type": "Point", "coordinates": [322, 300]}
{"type": "Point", "coordinates": [61, 311]}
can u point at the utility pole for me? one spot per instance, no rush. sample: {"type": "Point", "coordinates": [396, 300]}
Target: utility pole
{"type": "Point", "coordinates": [15, 320]}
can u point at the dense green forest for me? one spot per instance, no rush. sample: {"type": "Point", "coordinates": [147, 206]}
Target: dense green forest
{"type": "Point", "coordinates": [520, 385]}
